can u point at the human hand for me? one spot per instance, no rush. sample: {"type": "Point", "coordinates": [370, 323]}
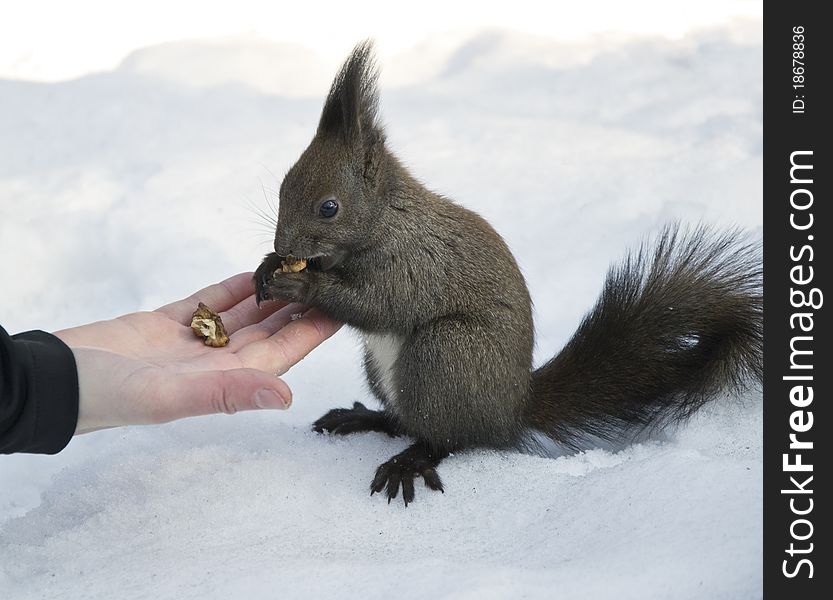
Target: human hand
{"type": "Point", "coordinates": [149, 367]}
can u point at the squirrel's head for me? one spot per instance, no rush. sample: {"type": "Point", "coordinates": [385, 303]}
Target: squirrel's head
{"type": "Point", "coordinates": [332, 196]}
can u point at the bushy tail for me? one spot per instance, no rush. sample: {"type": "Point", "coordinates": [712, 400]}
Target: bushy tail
{"type": "Point", "coordinates": [678, 321]}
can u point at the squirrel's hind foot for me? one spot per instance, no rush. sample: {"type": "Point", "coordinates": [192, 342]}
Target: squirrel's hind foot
{"type": "Point", "coordinates": [344, 421]}
{"type": "Point", "coordinates": [415, 461]}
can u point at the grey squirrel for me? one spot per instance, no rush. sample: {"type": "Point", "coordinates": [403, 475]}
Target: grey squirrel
{"type": "Point", "coordinates": [446, 316]}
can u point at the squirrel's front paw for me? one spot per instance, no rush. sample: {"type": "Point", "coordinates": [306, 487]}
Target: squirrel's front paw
{"type": "Point", "coordinates": [291, 287]}
{"type": "Point", "coordinates": [272, 284]}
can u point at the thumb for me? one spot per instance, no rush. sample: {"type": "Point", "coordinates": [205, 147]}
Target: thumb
{"type": "Point", "coordinates": [211, 392]}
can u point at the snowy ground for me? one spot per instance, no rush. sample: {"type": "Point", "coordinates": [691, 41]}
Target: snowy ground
{"type": "Point", "coordinates": [573, 153]}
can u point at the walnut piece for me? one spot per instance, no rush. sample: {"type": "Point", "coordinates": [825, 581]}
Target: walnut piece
{"type": "Point", "coordinates": [293, 265]}
{"type": "Point", "coordinates": [205, 323]}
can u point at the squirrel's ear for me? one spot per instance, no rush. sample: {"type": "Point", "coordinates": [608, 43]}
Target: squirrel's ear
{"type": "Point", "coordinates": [351, 108]}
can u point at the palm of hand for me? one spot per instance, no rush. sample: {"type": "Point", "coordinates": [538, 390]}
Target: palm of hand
{"type": "Point", "coordinates": [161, 371]}
{"type": "Point", "coordinates": [154, 338]}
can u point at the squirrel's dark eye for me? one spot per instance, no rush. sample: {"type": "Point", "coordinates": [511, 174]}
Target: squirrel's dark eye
{"type": "Point", "coordinates": [328, 209]}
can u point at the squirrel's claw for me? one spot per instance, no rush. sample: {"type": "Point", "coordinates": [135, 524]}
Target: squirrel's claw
{"type": "Point", "coordinates": [344, 421]}
{"type": "Point", "coordinates": [402, 469]}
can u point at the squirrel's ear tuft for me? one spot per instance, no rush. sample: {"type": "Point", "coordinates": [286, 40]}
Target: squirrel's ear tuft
{"type": "Point", "coordinates": [351, 108]}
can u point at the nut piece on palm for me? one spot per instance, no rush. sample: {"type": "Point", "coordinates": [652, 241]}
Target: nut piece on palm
{"type": "Point", "coordinates": [293, 265]}
{"type": "Point", "coordinates": [207, 324]}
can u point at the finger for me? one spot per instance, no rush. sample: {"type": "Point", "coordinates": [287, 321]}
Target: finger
{"type": "Point", "coordinates": [268, 326]}
{"type": "Point", "coordinates": [218, 297]}
{"type": "Point", "coordinates": [277, 353]}
{"type": "Point", "coordinates": [246, 312]}
{"type": "Point", "coordinates": [212, 392]}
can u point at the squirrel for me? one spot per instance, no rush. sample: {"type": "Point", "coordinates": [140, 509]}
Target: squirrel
{"type": "Point", "coordinates": [446, 316]}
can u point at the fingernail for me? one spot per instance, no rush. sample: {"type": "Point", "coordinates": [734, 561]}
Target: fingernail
{"type": "Point", "coordinates": [266, 398]}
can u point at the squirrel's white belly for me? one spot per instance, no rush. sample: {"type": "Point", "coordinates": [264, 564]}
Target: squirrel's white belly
{"type": "Point", "coordinates": [383, 350]}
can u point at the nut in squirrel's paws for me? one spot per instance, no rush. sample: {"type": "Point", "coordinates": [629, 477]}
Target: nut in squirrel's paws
{"type": "Point", "coordinates": [293, 265]}
{"type": "Point", "coordinates": [205, 323]}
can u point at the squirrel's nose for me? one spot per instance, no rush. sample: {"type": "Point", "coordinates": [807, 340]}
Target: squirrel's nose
{"type": "Point", "coordinates": [283, 240]}
{"type": "Point", "coordinates": [281, 249]}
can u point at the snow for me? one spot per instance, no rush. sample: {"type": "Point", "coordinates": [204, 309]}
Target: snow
{"type": "Point", "coordinates": [572, 160]}
{"type": "Point", "coordinates": [69, 43]}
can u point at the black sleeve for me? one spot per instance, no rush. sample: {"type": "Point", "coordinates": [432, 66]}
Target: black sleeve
{"type": "Point", "coordinates": [38, 393]}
